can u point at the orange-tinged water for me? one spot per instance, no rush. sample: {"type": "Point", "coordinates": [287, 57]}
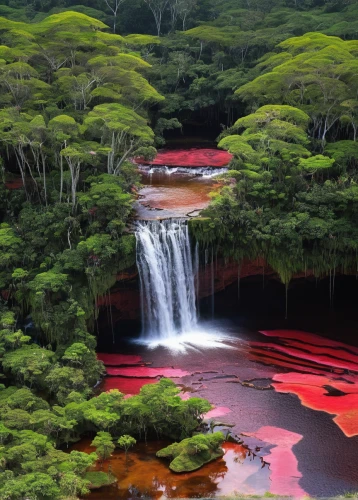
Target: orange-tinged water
{"type": "Point", "coordinates": [173, 195]}
{"type": "Point", "coordinates": [144, 475]}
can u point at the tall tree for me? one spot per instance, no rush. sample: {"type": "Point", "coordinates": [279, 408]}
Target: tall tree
{"type": "Point", "coordinates": [158, 8]}
{"type": "Point", "coordinates": [113, 6]}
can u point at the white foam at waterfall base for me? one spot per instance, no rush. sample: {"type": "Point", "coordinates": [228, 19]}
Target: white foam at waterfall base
{"type": "Point", "coordinates": [197, 339]}
{"type": "Point", "coordinates": [167, 288]}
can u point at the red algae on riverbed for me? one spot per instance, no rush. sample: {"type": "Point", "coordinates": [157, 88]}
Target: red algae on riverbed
{"type": "Point", "coordinates": [129, 386]}
{"type": "Point", "coordinates": [272, 360]}
{"type": "Point", "coordinates": [318, 358]}
{"type": "Point", "coordinates": [119, 359]}
{"type": "Point", "coordinates": [308, 338]}
{"type": "Point", "coordinates": [194, 157]}
{"type": "Point", "coordinates": [316, 397]}
{"type": "Point", "coordinates": [329, 351]}
{"type": "Point", "coordinates": [316, 381]}
{"type": "Point", "coordinates": [334, 392]}
{"type": "Point", "coordinates": [220, 411]}
{"type": "Point", "coordinates": [284, 475]}
{"type": "Point", "coordinates": [271, 357]}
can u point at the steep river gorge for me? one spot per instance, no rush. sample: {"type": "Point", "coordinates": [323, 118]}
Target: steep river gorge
{"type": "Point", "coordinates": [288, 397]}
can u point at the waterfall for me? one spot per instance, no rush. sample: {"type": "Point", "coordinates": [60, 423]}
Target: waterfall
{"type": "Point", "coordinates": [167, 284]}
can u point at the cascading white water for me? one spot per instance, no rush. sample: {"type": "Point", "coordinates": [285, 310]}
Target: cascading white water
{"type": "Point", "coordinates": [206, 172]}
{"type": "Point", "coordinates": [166, 274]}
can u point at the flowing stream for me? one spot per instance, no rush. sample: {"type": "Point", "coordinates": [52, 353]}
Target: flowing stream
{"type": "Point", "coordinates": [167, 282]}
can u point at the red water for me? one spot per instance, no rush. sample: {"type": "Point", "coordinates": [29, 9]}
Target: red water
{"type": "Point", "coordinates": [127, 373]}
{"type": "Point", "coordinates": [126, 385]}
{"type": "Point", "coordinates": [119, 359]}
{"type": "Point", "coordinates": [194, 157]}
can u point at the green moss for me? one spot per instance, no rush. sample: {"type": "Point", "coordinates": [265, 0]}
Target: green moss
{"type": "Point", "coordinates": [99, 479]}
{"type": "Point", "coordinates": [192, 453]}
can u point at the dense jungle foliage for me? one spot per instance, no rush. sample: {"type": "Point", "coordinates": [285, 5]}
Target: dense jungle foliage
{"type": "Point", "coordinates": [86, 86]}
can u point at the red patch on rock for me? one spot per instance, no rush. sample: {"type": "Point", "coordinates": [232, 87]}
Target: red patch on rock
{"type": "Point", "coordinates": [316, 397]}
{"type": "Point", "coordinates": [285, 475]}
{"type": "Point", "coordinates": [194, 157]}
{"type": "Point", "coordinates": [220, 411]}
{"type": "Point", "coordinates": [284, 364]}
{"type": "Point", "coordinates": [119, 359]}
{"type": "Point", "coordinates": [308, 338]}
{"type": "Point", "coordinates": [329, 351]}
{"type": "Point", "coordinates": [271, 355]}
{"type": "Point", "coordinates": [144, 372]}
{"type": "Point", "coordinates": [313, 388]}
{"type": "Point", "coordinates": [317, 381]}
{"type": "Point", "coordinates": [317, 358]}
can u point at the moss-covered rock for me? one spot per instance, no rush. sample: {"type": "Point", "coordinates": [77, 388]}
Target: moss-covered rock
{"type": "Point", "coordinates": [192, 453]}
{"type": "Point", "coordinates": [98, 479]}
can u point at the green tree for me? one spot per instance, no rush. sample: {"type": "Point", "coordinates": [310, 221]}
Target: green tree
{"type": "Point", "coordinates": [28, 364]}
{"type": "Point", "coordinates": [103, 443]}
{"type": "Point", "coordinates": [126, 442]}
